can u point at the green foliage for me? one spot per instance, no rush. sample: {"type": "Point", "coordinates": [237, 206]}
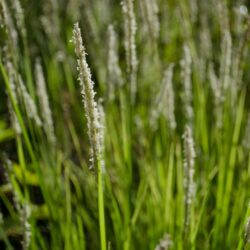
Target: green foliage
{"type": "Point", "coordinates": [144, 177]}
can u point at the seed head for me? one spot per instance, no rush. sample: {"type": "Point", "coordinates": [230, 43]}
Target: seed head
{"type": "Point", "coordinates": [130, 45]}
{"type": "Point", "coordinates": [29, 103]}
{"type": "Point", "coordinates": [19, 17]}
{"type": "Point", "coordinates": [247, 232]}
{"type": "Point", "coordinates": [164, 102]}
{"type": "Point", "coordinates": [12, 81]}
{"type": "Point", "coordinates": [44, 103]}
{"type": "Point", "coordinates": [23, 210]}
{"type": "Point", "coordinates": [88, 95]}
{"type": "Point", "coordinates": [217, 90]}
{"type": "Point", "coordinates": [187, 97]}
{"type": "Point", "coordinates": [114, 71]}
{"type": "Point", "coordinates": [226, 60]}
{"type": "Point", "coordinates": [189, 184]}
{"type": "Point", "coordinates": [8, 23]}
{"type": "Point", "coordinates": [165, 243]}
{"type": "Point", "coordinates": [26, 227]}
{"type": "Point", "coordinates": [150, 11]}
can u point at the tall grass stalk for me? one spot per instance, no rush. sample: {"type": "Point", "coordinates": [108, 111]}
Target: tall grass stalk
{"type": "Point", "coordinates": [94, 126]}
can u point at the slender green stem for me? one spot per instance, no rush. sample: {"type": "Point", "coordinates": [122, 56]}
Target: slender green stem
{"type": "Point", "coordinates": [101, 208]}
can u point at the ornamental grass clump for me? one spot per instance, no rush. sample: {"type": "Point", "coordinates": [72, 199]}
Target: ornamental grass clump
{"type": "Point", "coordinates": [117, 174]}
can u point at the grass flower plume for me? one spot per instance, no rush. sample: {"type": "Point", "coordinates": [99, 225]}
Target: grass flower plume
{"type": "Point", "coordinates": [88, 95]}
{"type": "Point", "coordinates": [189, 184]}
{"type": "Point", "coordinates": [44, 103]}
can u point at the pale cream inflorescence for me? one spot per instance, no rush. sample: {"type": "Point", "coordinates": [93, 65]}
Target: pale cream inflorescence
{"type": "Point", "coordinates": [25, 214]}
{"type": "Point", "coordinates": [29, 103]}
{"type": "Point", "coordinates": [226, 60]}
{"type": "Point", "coordinates": [19, 17]}
{"type": "Point", "coordinates": [88, 94]}
{"type": "Point", "coordinates": [186, 69]}
{"type": "Point", "coordinates": [189, 184]}
{"type": "Point", "coordinates": [114, 71]}
{"type": "Point", "coordinates": [24, 210]}
{"type": "Point", "coordinates": [8, 23]}
{"type": "Point", "coordinates": [14, 121]}
{"type": "Point", "coordinates": [165, 100]}
{"type": "Point", "coordinates": [101, 117]}
{"type": "Point", "coordinates": [194, 9]}
{"type": "Point", "coordinates": [247, 232]}
{"type": "Point", "coordinates": [150, 11]}
{"type": "Point", "coordinates": [130, 45]}
{"type": "Point", "coordinates": [44, 103]}
{"type": "Point", "coordinates": [165, 243]}
{"type": "Point", "coordinates": [217, 91]}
